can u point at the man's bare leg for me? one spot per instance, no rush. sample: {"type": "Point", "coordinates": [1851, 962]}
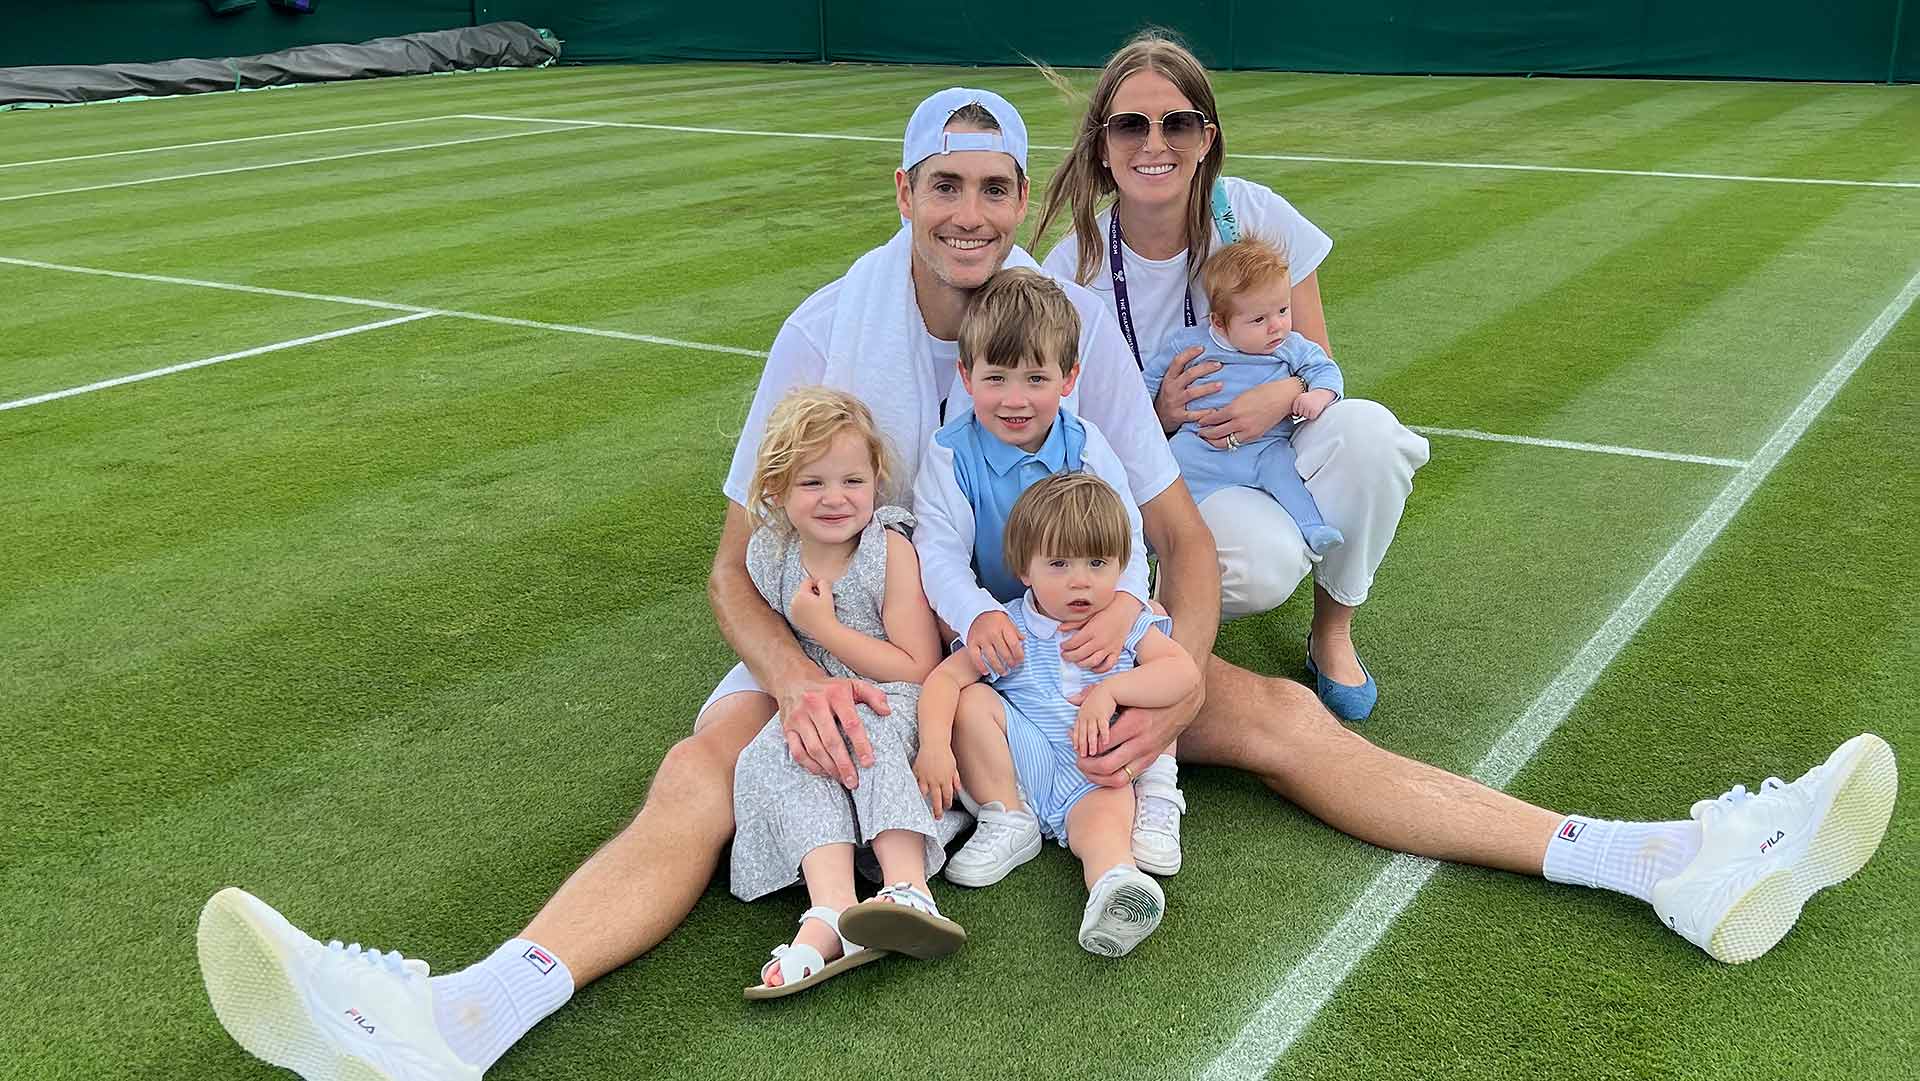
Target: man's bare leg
{"type": "Point", "coordinates": [638, 887]}
{"type": "Point", "coordinates": [1277, 730]}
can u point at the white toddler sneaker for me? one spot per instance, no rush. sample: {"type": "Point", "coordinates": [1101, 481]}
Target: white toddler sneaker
{"type": "Point", "coordinates": [1123, 908]}
{"type": "Point", "coordinates": [1002, 841]}
{"type": "Point", "coordinates": [328, 1013]}
{"type": "Point", "coordinates": [1762, 854]}
{"type": "Point", "coordinates": [1157, 807]}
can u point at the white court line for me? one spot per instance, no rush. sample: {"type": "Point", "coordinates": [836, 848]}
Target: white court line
{"type": "Point", "coordinates": [281, 164]}
{"type": "Point", "coordinates": [1563, 444]}
{"type": "Point", "coordinates": [221, 359]}
{"type": "Point", "coordinates": [223, 142]}
{"type": "Point", "coordinates": [1308, 158]}
{"type": "Point", "coordinates": [365, 302]}
{"type": "Point", "coordinates": [1306, 990]}
{"type": "Point", "coordinates": [680, 343]}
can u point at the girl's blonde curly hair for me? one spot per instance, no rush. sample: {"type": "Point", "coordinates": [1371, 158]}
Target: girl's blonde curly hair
{"type": "Point", "coordinates": [799, 431]}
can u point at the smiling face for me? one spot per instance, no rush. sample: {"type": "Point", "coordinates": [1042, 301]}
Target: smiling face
{"type": "Point", "coordinates": [1017, 405]}
{"type": "Point", "coordinates": [831, 498]}
{"type": "Point", "coordinates": [1152, 174]}
{"type": "Point", "coordinates": [1070, 589]}
{"type": "Point", "coordinates": [1261, 318]}
{"type": "Point", "coordinates": [964, 208]}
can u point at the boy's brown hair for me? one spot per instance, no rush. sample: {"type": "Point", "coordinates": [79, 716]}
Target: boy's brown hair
{"type": "Point", "coordinates": [1074, 515]}
{"type": "Point", "coordinates": [1247, 263]}
{"type": "Point", "coordinates": [1020, 317]}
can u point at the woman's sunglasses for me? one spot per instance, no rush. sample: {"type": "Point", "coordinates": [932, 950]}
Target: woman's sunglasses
{"type": "Point", "coordinates": [1182, 129]}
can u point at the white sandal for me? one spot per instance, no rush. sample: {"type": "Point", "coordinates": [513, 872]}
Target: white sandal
{"type": "Point", "coordinates": [802, 966]}
{"type": "Point", "coordinates": [901, 919]}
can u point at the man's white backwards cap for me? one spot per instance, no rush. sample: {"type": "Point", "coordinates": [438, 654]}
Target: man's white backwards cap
{"type": "Point", "coordinates": [927, 134]}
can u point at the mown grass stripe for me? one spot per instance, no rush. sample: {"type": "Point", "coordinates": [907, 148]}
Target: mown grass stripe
{"type": "Point", "coordinates": [1305, 991]}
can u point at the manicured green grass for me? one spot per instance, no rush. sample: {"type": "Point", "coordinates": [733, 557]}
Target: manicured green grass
{"type": "Point", "coordinates": [393, 629]}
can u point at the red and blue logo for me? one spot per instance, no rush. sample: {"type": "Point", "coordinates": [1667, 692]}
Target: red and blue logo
{"type": "Point", "coordinates": [540, 959]}
{"type": "Point", "coordinates": [1570, 830]}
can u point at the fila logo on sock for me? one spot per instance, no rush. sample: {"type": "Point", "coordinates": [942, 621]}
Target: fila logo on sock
{"type": "Point", "coordinates": [540, 959]}
{"type": "Point", "coordinates": [1778, 836]}
{"type": "Point", "coordinates": [360, 1019]}
{"type": "Point", "coordinates": [1570, 830]}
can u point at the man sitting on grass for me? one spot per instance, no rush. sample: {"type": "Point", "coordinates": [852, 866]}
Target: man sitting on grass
{"type": "Point", "coordinates": [1731, 879]}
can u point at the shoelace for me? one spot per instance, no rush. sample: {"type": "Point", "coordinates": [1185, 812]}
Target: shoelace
{"type": "Point", "coordinates": [1158, 815]}
{"type": "Point", "coordinates": [1734, 797]}
{"type": "Point", "coordinates": [391, 960]}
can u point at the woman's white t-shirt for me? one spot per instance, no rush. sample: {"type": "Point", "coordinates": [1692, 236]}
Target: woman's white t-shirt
{"type": "Point", "coordinates": [1155, 286]}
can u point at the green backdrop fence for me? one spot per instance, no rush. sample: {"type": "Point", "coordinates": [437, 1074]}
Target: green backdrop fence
{"type": "Point", "coordinates": [1847, 40]}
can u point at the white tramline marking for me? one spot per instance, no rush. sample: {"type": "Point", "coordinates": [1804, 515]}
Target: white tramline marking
{"type": "Point", "coordinates": [224, 357]}
{"type": "Point", "coordinates": [680, 343]}
{"type": "Point", "coordinates": [1564, 444]}
{"type": "Point", "coordinates": [365, 302]}
{"type": "Point", "coordinates": [223, 142]}
{"type": "Point", "coordinates": [1306, 158]}
{"type": "Point", "coordinates": [1306, 990]}
{"type": "Point", "coordinates": [282, 164]}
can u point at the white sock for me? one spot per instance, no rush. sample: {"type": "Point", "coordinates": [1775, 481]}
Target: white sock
{"type": "Point", "coordinates": [1164, 768]}
{"type": "Point", "coordinates": [1626, 857]}
{"type": "Point", "coordinates": [483, 1010]}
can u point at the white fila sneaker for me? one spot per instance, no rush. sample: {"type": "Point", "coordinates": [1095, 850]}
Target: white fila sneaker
{"type": "Point", "coordinates": [1762, 854]}
{"type": "Point", "coordinates": [328, 1013]}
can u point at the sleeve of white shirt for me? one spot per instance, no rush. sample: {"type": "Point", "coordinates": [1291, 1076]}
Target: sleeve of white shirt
{"type": "Point", "coordinates": [943, 536]}
{"type": "Point", "coordinates": [1264, 213]}
{"type": "Point", "coordinates": [1113, 395]}
{"type": "Point", "coordinates": [795, 360]}
{"type": "Point", "coordinates": [1099, 458]}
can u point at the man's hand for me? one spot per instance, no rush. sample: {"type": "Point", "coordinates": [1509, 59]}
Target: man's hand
{"type": "Point", "coordinates": [819, 719]}
{"type": "Point", "coordinates": [994, 644]}
{"type": "Point", "coordinates": [1311, 404]}
{"type": "Point", "coordinates": [812, 607]}
{"type": "Point", "coordinates": [1137, 737]}
{"type": "Point", "coordinates": [1174, 403]}
{"type": "Point", "coordinates": [1096, 644]}
{"type": "Point", "coordinates": [939, 777]}
{"type": "Point", "coordinates": [1253, 414]}
{"type": "Point", "coordinates": [1090, 727]}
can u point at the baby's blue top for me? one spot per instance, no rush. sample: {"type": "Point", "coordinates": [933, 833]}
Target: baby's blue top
{"type": "Point", "coordinates": [1240, 372]}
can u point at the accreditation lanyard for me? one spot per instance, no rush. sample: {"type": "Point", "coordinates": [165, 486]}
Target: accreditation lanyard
{"type": "Point", "coordinates": [1120, 305]}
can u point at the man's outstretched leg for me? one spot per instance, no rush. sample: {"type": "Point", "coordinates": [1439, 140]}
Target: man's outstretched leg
{"type": "Point", "coordinates": [1731, 879]}
{"type": "Point", "coordinates": [333, 1011]}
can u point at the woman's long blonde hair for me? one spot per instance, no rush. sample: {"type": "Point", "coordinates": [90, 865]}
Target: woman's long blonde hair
{"type": "Point", "coordinates": [1082, 182]}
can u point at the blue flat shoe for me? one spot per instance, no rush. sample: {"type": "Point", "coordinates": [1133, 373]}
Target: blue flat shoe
{"type": "Point", "coordinates": [1343, 700]}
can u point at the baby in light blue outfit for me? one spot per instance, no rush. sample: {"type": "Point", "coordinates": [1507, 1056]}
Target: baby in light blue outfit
{"type": "Point", "coordinates": [1250, 333]}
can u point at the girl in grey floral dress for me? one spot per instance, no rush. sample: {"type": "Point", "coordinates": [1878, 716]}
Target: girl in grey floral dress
{"type": "Point", "coordinates": [848, 582]}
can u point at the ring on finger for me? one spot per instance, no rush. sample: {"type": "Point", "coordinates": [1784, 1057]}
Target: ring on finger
{"type": "Point", "coordinates": [1233, 441]}
{"type": "Point", "coordinates": [1128, 770]}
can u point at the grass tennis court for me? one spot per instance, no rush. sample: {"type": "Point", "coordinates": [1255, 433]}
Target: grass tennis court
{"type": "Point", "coordinates": [390, 620]}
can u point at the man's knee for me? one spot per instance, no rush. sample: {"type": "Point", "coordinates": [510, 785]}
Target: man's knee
{"type": "Point", "coordinates": [702, 764]}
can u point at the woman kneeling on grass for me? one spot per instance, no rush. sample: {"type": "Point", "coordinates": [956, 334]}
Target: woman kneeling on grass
{"type": "Point", "coordinates": [1151, 140]}
{"type": "Point", "coordinates": [849, 584]}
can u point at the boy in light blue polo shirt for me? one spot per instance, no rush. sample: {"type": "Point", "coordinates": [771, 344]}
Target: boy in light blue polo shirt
{"type": "Point", "coordinates": [1019, 356]}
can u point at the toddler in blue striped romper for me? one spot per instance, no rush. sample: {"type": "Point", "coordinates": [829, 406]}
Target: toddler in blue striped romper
{"type": "Point", "coordinates": [1068, 538]}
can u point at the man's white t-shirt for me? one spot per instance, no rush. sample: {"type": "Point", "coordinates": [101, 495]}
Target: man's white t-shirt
{"type": "Point", "coordinates": [1155, 286]}
{"type": "Point", "coordinates": [1111, 392]}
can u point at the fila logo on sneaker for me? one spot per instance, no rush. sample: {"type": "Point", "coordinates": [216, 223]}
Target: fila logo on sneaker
{"type": "Point", "coordinates": [540, 959]}
{"type": "Point", "coordinates": [360, 1019]}
{"type": "Point", "coordinates": [1778, 836]}
{"type": "Point", "coordinates": [1570, 831]}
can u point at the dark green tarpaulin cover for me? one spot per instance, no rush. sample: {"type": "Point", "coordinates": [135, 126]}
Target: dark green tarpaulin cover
{"type": "Point", "coordinates": [1852, 40]}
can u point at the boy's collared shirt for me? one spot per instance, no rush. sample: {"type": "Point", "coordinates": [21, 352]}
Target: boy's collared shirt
{"type": "Point", "coordinates": [967, 485]}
